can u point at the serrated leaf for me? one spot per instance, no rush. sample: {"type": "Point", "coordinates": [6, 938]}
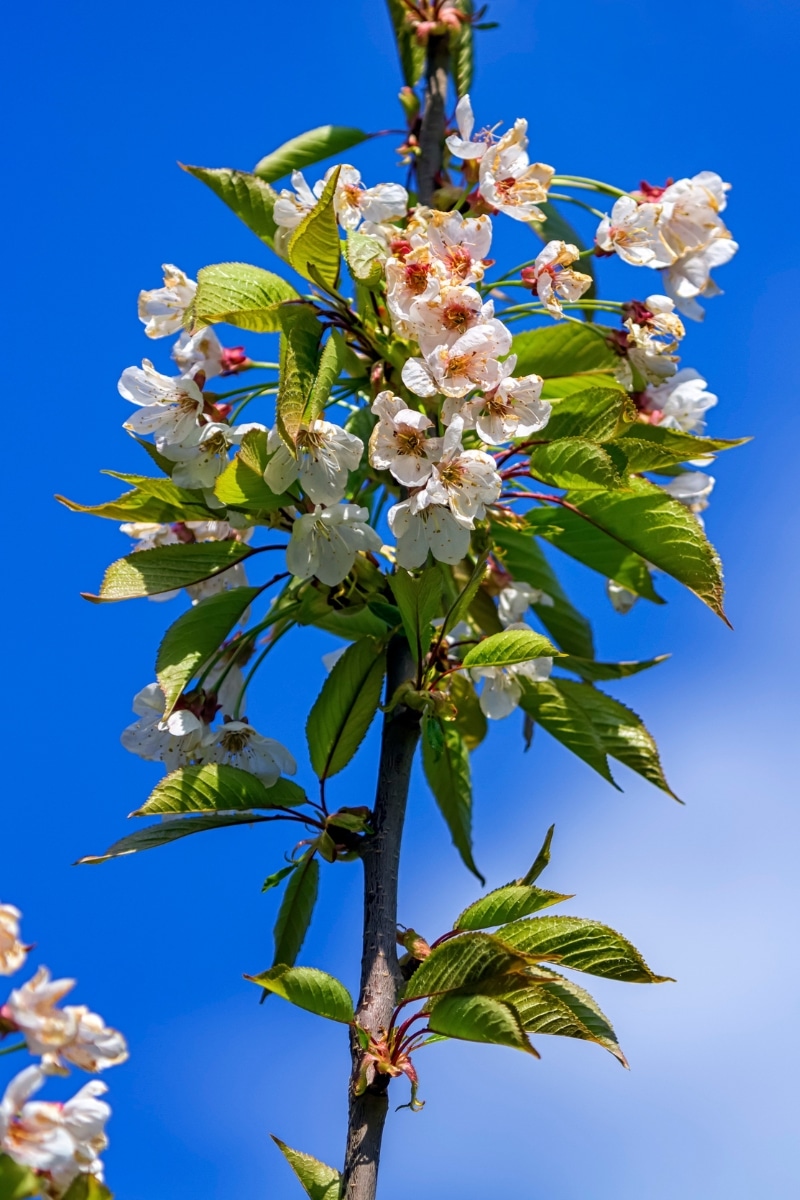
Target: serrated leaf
{"type": "Point", "coordinates": [242, 295]}
{"type": "Point", "coordinates": [558, 387]}
{"type": "Point", "coordinates": [525, 561]}
{"type": "Point", "coordinates": [195, 636]}
{"type": "Point", "coordinates": [169, 831]}
{"type": "Point", "coordinates": [412, 52]}
{"type": "Point", "coordinates": [572, 534]}
{"type": "Point", "coordinates": [506, 904]}
{"type": "Point", "coordinates": [567, 721]}
{"type": "Point", "coordinates": [566, 349]}
{"type": "Point", "coordinates": [308, 988]}
{"type": "Point", "coordinates": [574, 462]}
{"type": "Point", "coordinates": [469, 960]}
{"type": "Point", "coordinates": [217, 787]}
{"type": "Point", "coordinates": [365, 258]}
{"type": "Point", "coordinates": [328, 370]}
{"type": "Point", "coordinates": [345, 708]}
{"type": "Point", "coordinates": [479, 1019]}
{"type": "Point", "coordinates": [297, 907]}
{"type": "Point", "coordinates": [419, 598]}
{"type": "Point", "coordinates": [307, 148]}
{"type": "Point", "coordinates": [301, 335]}
{"type": "Point", "coordinates": [508, 648]}
{"type": "Point", "coordinates": [165, 568]}
{"type": "Point", "coordinates": [581, 945]}
{"type": "Point", "coordinates": [314, 249]}
{"type": "Point", "coordinates": [16, 1181]}
{"type": "Point", "coordinates": [470, 721]}
{"type": "Point", "coordinates": [449, 778]}
{"type": "Point", "coordinates": [593, 671]}
{"type": "Point", "coordinates": [319, 1181]}
{"type": "Point", "coordinates": [157, 500]}
{"type": "Point", "coordinates": [596, 414]}
{"type": "Point", "coordinates": [647, 521]}
{"type": "Point", "coordinates": [251, 198]}
{"type": "Point", "coordinates": [622, 733]}
{"type": "Point", "coordinates": [654, 447]}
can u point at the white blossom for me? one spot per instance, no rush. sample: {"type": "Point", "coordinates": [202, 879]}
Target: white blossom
{"type": "Point", "coordinates": [416, 277]}
{"type": "Point", "coordinates": [326, 453]}
{"type": "Point", "coordinates": [690, 214]}
{"type": "Point", "coordinates": [470, 362]}
{"type": "Point", "coordinates": [502, 690]}
{"type": "Point", "coordinates": [460, 244]}
{"type": "Point", "coordinates": [622, 598]}
{"type": "Point", "coordinates": [691, 488]}
{"type": "Point", "coordinates": [12, 951]}
{"type": "Point", "coordinates": [419, 527]}
{"type": "Point", "coordinates": [553, 279]}
{"type": "Point", "coordinates": [445, 317]}
{"type": "Point", "coordinates": [149, 534]}
{"type": "Point", "coordinates": [72, 1034]}
{"type": "Point", "coordinates": [511, 410]}
{"type": "Point", "coordinates": [237, 744]}
{"type": "Point", "coordinates": [171, 407]}
{"type": "Point", "coordinates": [292, 207]}
{"type": "Point", "coordinates": [690, 276]}
{"type": "Point", "coordinates": [202, 455]}
{"type": "Point", "coordinates": [199, 351]}
{"type": "Point", "coordinates": [325, 543]}
{"type": "Point", "coordinates": [162, 309]}
{"type": "Point", "coordinates": [509, 182]}
{"type": "Point", "coordinates": [631, 231]}
{"type": "Point", "coordinates": [175, 741]}
{"type": "Point", "coordinates": [223, 581]}
{"type": "Point", "coordinates": [465, 480]}
{"type": "Point", "coordinates": [399, 442]}
{"type": "Point", "coordinates": [516, 598]}
{"type": "Point", "coordinates": [353, 203]}
{"type": "Point", "coordinates": [682, 402]}
{"type": "Point", "coordinates": [461, 144]}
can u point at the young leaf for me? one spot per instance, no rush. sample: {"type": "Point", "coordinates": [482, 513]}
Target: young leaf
{"type": "Point", "coordinates": [242, 295]}
{"type": "Point", "coordinates": [462, 50]}
{"type": "Point", "coordinates": [506, 904]}
{"type": "Point", "coordinates": [419, 598]}
{"type": "Point", "coordinates": [169, 831]}
{"type": "Point", "coordinates": [325, 141]}
{"type": "Point", "coordinates": [156, 500]}
{"type": "Point", "coordinates": [345, 708]}
{"type": "Point", "coordinates": [365, 258]}
{"type": "Point", "coordinates": [567, 721]}
{"type": "Point", "coordinates": [314, 249]}
{"type": "Point", "coordinates": [241, 484]}
{"type": "Point", "coordinates": [581, 945]}
{"type": "Point", "coordinates": [297, 906]}
{"type": "Point", "coordinates": [470, 722]}
{"type": "Point", "coordinates": [17, 1182]}
{"type": "Point", "coordinates": [165, 568]}
{"type": "Point", "coordinates": [217, 787]}
{"type": "Point", "coordinates": [593, 671]}
{"type": "Point", "coordinates": [574, 462]}
{"type": "Point", "coordinates": [412, 52]}
{"type": "Point", "coordinates": [541, 861]}
{"type": "Point", "coordinates": [309, 988]}
{"type": "Point", "coordinates": [470, 590]}
{"type": "Point", "coordinates": [563, 1009]}
{"type": "Point", "coordinates": [197, 634]}
{"type": "Point", "coordinates": [621, 732]}
{"type": "Point", "coordinates": [319, 1181]}
{"type": "Point", "coordinates": [328, 369]}
{"type": "Point", "coordinates": [299, 353]}
{"type": "Point", "coordinates": [449, 779]}
{"type": "Point", "coordinates": [566, 349]}
{"type": "Point", "coordinates": [479, 1019]}
{"type": "Point", "coordinates": [251, 198]}
{"type": "Point", "coordinates": [86, 1187]}
{"type": "Point", "coordinates": [508, 648]}
{"type": "Point", "coordinates": [578, 537]}
{"type": "Point", "coordinates": [468, 961]}
{"type": "Point", "coordinates": [277, 877]}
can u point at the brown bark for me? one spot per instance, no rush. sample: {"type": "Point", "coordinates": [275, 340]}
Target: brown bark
{"type": "Point", "coordinates": [431, 137]}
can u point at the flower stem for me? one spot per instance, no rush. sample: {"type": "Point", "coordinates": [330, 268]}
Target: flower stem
{"type": "Point", "coordinates": [13, 1049]}
{"type": "Point", "coordinates": [589, 185]}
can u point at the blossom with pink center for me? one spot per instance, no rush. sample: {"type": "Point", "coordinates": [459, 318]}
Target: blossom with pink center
{"type": "Point", "coordinates": [470, 362]}
{"type": "Point", "coordinates": [552, 278]}
{"type": "Point", "coordinates": [400, 441]}
{"type": "Point", "coordinates": [509, 181]}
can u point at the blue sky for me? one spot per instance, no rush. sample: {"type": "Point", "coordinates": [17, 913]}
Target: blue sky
{"type": "Point", "coordinates": [105, 99]}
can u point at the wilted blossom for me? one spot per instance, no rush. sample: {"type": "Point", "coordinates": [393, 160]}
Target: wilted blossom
{"type": "Point", "coordinates": [162, 310]}
{"type": "Point", "coordinates": [552, 279]}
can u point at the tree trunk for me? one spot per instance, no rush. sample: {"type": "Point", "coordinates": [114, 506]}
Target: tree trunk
{"type": "Point", "coordinates": [431, 137]}
{"type": "Point", "coordinates": [380, 976]}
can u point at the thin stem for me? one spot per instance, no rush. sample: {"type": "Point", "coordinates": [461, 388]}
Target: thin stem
{"type": "Point", "coordinates": [574, 200]}
{"type": "Point", "coordinates": [589, 185]}
{"type": "Point", "coordinates": [250, 365]}
{"type": "Point", "coordinates": [13, 1049]}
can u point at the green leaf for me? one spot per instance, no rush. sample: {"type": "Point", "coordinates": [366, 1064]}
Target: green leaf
{"type": "Point", "coordinates": [17, 1182]}
{"type": "Point", "coordinates": [525, 560]}
{"type": "Point", "coordinates": [565, 349]}
{"type": "Point", "coordinates": [251, 198]}
{"type": "Point", "coordinates": [149, 572]}
{"type": "Point", "coordinates": [572, 534]}
{"type": "Point", "coordinates": [449, 779]}
{"type": "Point", "coordinates": [647, 521]}
{"type": "Point", "coordinates": [307, 148]}
{"type": "Point", "coordinates": [297, 907]}
{"type": "Point", "coordinates": [217, 787]}
{"type": "Point", "coordinates": [169, 831]}
{"type": "Point", "coordinates": [559, 387]}
{"type": "Point", "coordinates": [242, 295]}
{"type": "Point", "coordinates": [621, 732]}
{"type": "Point", "coordinates": [319, 1181]}
{"type": "Point", "coordinates": [468, 595]}
{"type": "Point", "coordinates": [470, 960]}
{"type": "Point", "coordinates": [581, 945]}
{"type": "Point", "coordinates": [157, 500]}
{"type": "Point", "coordinates": [542, 859]}
{"type": "Point", "coordinates": [574, 462]}
{"type": "Point", "coordinates": [328, 370]}
{"type": "Point", "coordinates": [277, 877]}
{"type": "Point", "coordinates": [412, 53]}
{"type": "Point", "coordinates": [479, 1019]}
{"type": "Point", "coordinates": [567, 721]}
{"type": "Point", "coordinates": [470, 722]}
{"type": "Point", "coordinates": [505, 904]}
{"type": "Point", "coordinates": [597, 414]}
{"type": "Point", "coordinates": [345, 708]}
{"type": "Point", "coordinates": [308, 988]}
{"type": "Point", "coordinates": [195, 636]}
{"type": "Point", "coordinates": [87, 1187]}
{"type": "Point", "coordinates": [419, 598]}
{"type": "Point", "coordinates": [654, 447]}
{"type": "Point", "coordinates": [314, 249]}
{"type": "Point", "coordinates": [365, 258]}
{"type": "Point", "coordinates": [241, 484]}
{"type": "Point", "coordinates": [592, 671]}
{"type": "Point", "coordinates": [508, 648]}
{"type": "Point", "coordinates": [302, 333]}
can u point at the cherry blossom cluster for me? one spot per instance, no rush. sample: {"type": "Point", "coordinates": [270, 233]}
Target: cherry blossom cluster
{"type": "Point", "coordinates": [56, 1141]}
